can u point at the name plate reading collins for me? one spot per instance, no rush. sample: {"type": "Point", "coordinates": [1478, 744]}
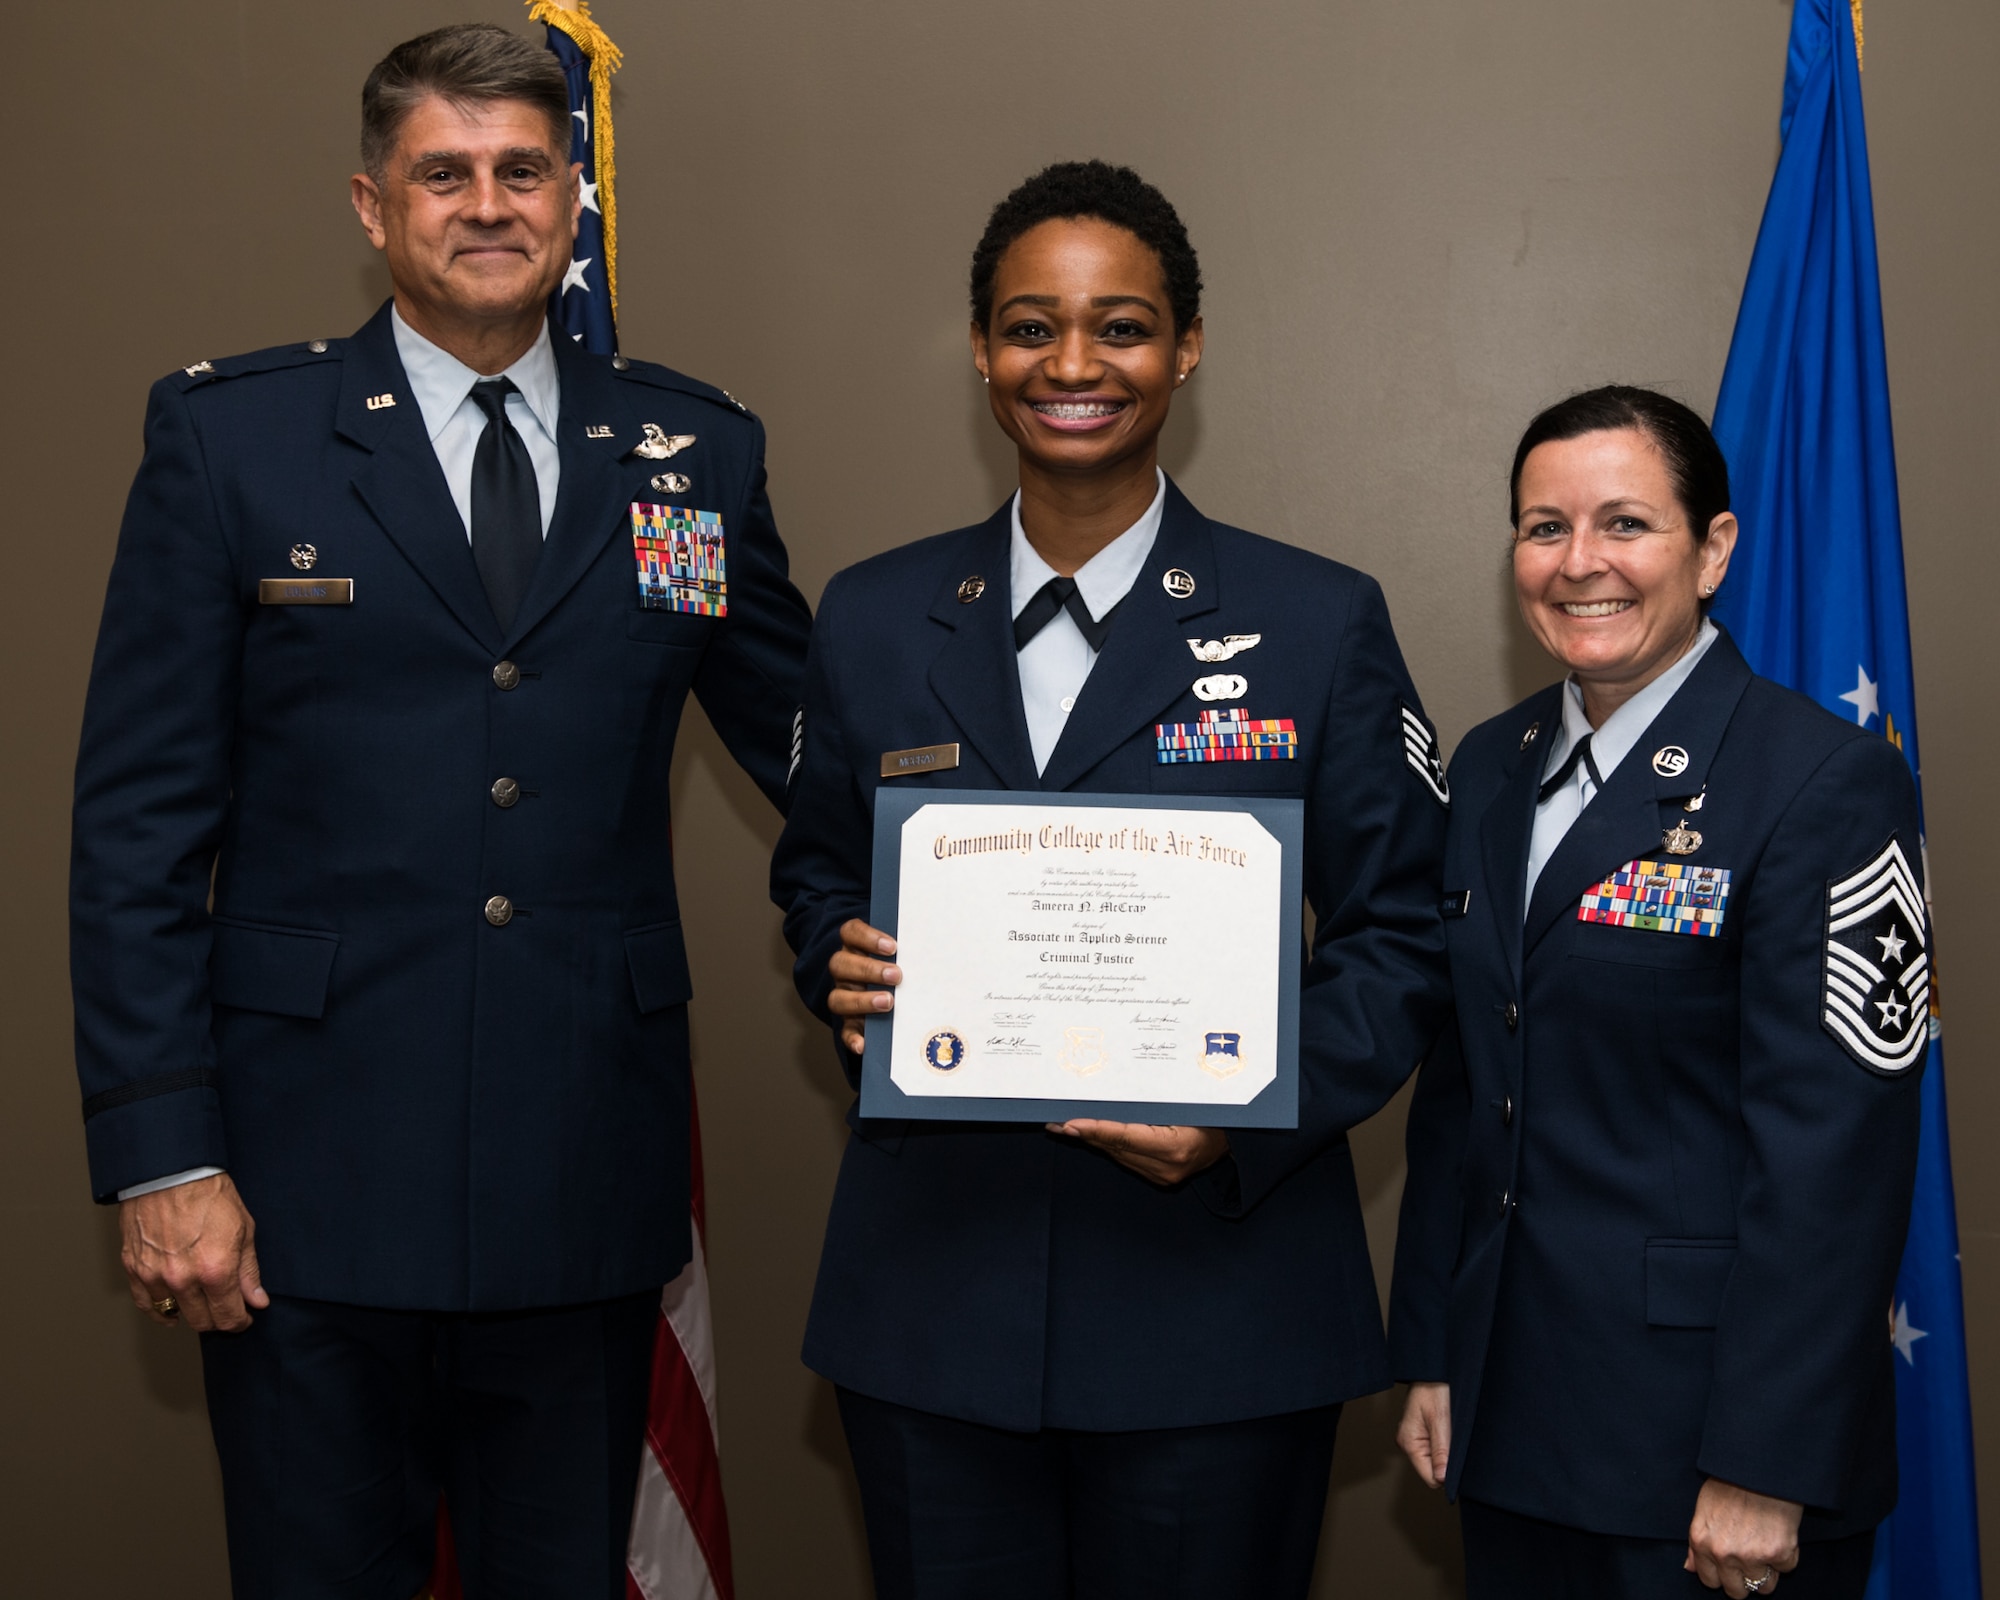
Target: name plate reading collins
{"type": "Point", "coordinates": [1088, 956]}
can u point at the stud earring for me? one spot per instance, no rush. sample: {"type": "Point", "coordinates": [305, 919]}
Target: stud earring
{"type": "Point", "coordinates": [1707, 589]}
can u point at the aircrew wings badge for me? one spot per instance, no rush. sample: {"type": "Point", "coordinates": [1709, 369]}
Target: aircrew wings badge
{"type": "Point", "coordinates": [1420, 749]}
{"type": "Point", "coordinates": [1876, 990]}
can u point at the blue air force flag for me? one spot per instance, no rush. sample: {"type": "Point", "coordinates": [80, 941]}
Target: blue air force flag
{"type": "Point", "coordinates": [1815, 598]}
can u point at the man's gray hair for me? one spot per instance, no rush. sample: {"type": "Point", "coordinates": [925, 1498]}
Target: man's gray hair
{"type": "Point", "coordinates": [467, 64]}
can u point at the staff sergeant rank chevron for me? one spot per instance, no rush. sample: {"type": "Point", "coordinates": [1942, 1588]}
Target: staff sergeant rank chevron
{"type": "Point", "coordinates": [1877, 990]}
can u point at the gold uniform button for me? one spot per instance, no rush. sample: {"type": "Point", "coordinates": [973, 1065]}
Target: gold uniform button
{"type": "Point", "coordinates": [506, 675]}
{"type": "Point", "coordinates": [505, 792]}
{"type": "Point", "coordinates": [499, 911]}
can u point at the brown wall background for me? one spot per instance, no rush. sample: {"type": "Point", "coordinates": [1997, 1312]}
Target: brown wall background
{"type": "Point", "coordinates": [1420, 220]}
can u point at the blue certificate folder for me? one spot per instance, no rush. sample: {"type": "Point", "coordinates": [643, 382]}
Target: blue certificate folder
{"type": "Point", "coordinates": [1275, 1106]}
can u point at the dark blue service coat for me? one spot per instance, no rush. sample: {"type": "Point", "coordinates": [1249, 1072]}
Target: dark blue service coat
{"type": "Point", "coordinates": [1655, 1202]}
{"type": "Point", "coordinates": [1006, 1276]}
{"type": "Point", "coordinates": [421, 1108]}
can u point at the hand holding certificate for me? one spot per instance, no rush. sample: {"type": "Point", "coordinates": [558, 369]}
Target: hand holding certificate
{"type": "Point", "coordinates": [1087, 956]}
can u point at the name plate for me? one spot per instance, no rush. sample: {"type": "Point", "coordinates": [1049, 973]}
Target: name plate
{"type": "Point", "coordinates": [1088, 956]}
{"type": "Point", "coordinates": [305, 591]}
{"type": "Point", "coordinates": [925, 758]}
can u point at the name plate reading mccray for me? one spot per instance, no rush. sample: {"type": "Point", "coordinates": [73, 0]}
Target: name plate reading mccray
{"type": "Point", "coordinates": [1088, 956]}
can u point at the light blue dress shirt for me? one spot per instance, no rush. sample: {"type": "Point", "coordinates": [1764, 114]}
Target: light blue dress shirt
{"type": "Point", "coordinates": [1609, 745]}
{"type": "Point", "coordinates": [442, 387]}
{"type": "Point", "coordinates": [1055, 662]}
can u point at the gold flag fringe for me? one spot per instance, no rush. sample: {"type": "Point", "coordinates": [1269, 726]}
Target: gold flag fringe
{"type": "Point", "coordinates": [1858, 63]}
{"type": "Point", "coordinates": [605, 58]}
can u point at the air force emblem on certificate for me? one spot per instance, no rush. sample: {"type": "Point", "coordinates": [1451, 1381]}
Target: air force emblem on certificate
{"type": "Point", "coordinates": [1222, 1054]}
{"type": "Point", "coordinates": [679, 558]}
{"type": "Point", "coordinates": [944, 1051]}
{"type": "Point", "coordinates": [1876, 991]}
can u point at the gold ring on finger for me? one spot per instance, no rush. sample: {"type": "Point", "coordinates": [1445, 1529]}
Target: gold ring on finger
{"type": "Point", "coordinates": [167, 1306]}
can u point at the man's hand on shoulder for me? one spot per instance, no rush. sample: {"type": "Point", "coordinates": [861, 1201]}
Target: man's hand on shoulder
{"type": "Point", "coordinates": [193, 1245]}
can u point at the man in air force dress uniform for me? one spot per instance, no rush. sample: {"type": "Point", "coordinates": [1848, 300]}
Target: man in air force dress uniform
{"type": "Point", "coordinates": [396, 643]}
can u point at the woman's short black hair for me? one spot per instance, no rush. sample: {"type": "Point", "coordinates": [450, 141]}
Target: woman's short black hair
{"type": "Point", "coordinates": [1116, 195]}
{"type": "Point", "coordinates": [1694, 460]}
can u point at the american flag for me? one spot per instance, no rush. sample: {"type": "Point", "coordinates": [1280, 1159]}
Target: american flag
{"type": "Point", "coordinates": [679, 1546]}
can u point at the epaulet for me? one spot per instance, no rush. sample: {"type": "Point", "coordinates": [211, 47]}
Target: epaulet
{"type": "Point", "coordinates": [666, 378]}
{"type": "Point", "coordinates": [275, 359]}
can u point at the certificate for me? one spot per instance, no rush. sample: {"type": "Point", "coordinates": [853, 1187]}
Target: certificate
{"type": "Point", "coordinates": [1088, 956]}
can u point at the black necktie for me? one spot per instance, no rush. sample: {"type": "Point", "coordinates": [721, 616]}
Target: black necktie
{"type": "Point", "coordinates": [506, 505]}
{"type": "Point", "coordinates": [1059, 594]}
{"type": "Point", "coordinates": [1563, 773]}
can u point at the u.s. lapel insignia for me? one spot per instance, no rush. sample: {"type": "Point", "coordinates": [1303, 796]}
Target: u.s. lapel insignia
{"type": "Point", "coordinates": [381, 402]}
{"type": "Point", "coordinates": [1670, 761]}
{"type": "Point", "coordinates": [1528, 738]}
{"type": "Point", "coordinates": [1876, 991]}
{"type": "Point", "coordinates": [598, 430]}
{"type": "Point", "coordinates": [672, 483]}
{"type": "Point", "coordinates": [1221, 686]}
{"type": "Point", "coordinates": [1216, 650]}
{"type": "Point", "coordinates": [971, 589]}
{"type": "Point", "coordinates": [201, 369]}
{"type": "Point", "coordinates": [1177, 583]}
{"type": "Point", "coordinates": [1420, 749]}
{"type": "Point", "coordinates": [661, 446]}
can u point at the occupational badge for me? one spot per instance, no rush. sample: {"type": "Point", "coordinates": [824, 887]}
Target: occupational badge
{"type": "Point", "coordinates": [672, 483]}
{"type": "Point", "coordinates": [944, 1051]}
{"type": "Point", "coordinates": [304, 557]}
{"type": "Point", "coordinates": [1661, 896]}
{"type": "Point", "coordinates": [1222, 1054]}
{"type": "Point", "coordinates": [1225, 736]}
{"type": "Point", "coordinates": [1420, 749]}
{"type": "Point", "coordinates": [679, 555]}
{"type": "Point", "coordinates": [1221, 686]}
{"type": "Point", "coordinates": [659, 446]}
{"type": "Point", "coordinates": [1876, 990]}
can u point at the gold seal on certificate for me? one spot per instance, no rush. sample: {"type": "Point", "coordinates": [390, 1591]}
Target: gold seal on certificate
{"type": "Point", "coordinates": [1100, 955]}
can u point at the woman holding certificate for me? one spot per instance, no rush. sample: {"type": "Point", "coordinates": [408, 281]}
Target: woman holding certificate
{"type": "Point", "coordinates": [1660, 1170]}
{"type": "Point", "coordinates": [1097, 1356]}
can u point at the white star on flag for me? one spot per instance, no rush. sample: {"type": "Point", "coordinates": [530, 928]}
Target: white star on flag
{"type": "Point", "coordinates": [589, 194]}
{"type": "Point", "coordinates": [1904, 1335]}
{"type": "Point", "coordinates": [573, 279]}
{"type": "Point", "coordinates": [1863, 698]}
{"type": "Point", "coordinates": [1892, 947]}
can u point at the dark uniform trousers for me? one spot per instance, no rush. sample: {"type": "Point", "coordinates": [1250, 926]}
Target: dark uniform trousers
{"type": "Point", "coordinates": [339, 1426]}
{"type": "Point", "coordinates": [1512, 1557]}
{"type": "Point", "coordinates": [957, 1511]}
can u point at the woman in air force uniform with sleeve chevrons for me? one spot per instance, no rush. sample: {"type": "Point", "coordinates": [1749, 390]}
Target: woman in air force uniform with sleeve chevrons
{"type": "Point", "coordinates": [1660, 1171]}
{"type": "Point", "coordinates": [1108, 1359]}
